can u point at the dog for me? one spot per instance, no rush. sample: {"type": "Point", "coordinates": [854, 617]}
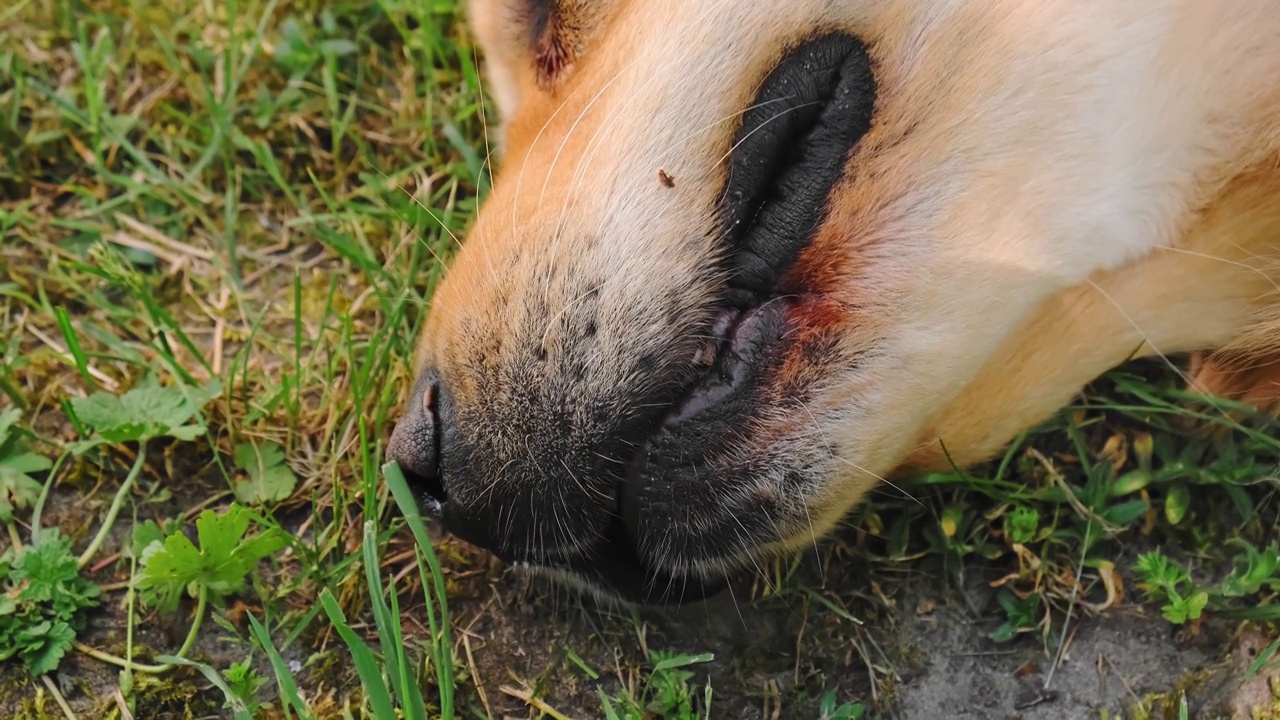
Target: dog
{"type": "Point", "coordinates": [744, 260]}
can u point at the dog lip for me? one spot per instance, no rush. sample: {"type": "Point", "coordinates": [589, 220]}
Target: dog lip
{"type": "Point", "coordinates": [788, 155]}
{"type": "Point", "coordinates": [613, 565]}
{"type": "Point", "coordinates": [740, 345]}
{"type": "Point", "coordinates": [708, 409]}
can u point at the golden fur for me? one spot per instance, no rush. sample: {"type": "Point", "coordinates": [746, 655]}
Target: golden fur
{"type": "Point", "coordinates": [1047, 189]}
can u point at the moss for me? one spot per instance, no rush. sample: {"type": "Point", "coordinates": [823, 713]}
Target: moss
{"type": "Point", "coordinates": [174, 695]}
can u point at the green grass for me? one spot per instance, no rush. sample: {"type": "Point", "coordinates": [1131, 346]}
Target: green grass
{"type": "Point", "coordinates": [251, 195]}
{"type": "Point", "coordinates": [219, 224]}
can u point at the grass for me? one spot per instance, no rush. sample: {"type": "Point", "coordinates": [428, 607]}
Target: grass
{"type": "Point", "coordinates": [219, 224]}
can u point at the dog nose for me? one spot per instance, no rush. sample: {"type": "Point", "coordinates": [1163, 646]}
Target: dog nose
{"type": "Point", "coordinates": [415, 445]}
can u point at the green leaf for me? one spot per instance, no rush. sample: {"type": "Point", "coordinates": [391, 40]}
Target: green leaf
{"type": "Point", "coordinates": [1020, 615]}
{"type": "Point", "coordinates": [1021, 523]}
{"type": "Point", "coordinates": [45, 645]}
{"type": "Point", "coordinates": [289, 695]}
{"type": "Point", "coordinates": [145, 412]}
{"type": "Point", "coordinates": [42, 603]}
{"type": "Point", "coordinates": [610, 712]}
{"type": "Point", "coordinates": [8, 419]}
{"type": "Point", "coordinates": [1180, 610]}
{"type": "Point", "coordinates": [1130, 482]}
{"type": "Point", "coordinates": [376, 692]}
{"type": "Point", "coordinates": [1160, 574]}
{"type": "Point", "coordinates": [244, 682]}
{"type": "Point", "coordinates": [1125, 512]}
{"type": "Point", "coordinates": [1251, 570]}
{"type": "Point", "coordinates": [147, 534]}
{"type": "Point", "coordinates": [17, 489]}
{"type": "Point", "coordinates": [49, 573]}
{"type": "Point", "coordinates": [1176, 503]}
{"type": "Point", "coordinates": [220, 564]}
{"type": "Point", "coordinates": [270, 479]}
{"type": "Point", "coordinates": [670, 660]}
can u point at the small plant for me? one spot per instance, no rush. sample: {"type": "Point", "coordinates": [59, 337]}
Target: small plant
{"type": "Point", "coordinates": [828, 710]}
{"type": "Point", "coordinates": [244, 683]}
{"type": "Point", "coordinates": [666, 694]}
{"type": "Point", "coordinates": [1020, 615]}
{"type": "Point", "coordinates": [43, 603]}
{"type": "Point", "coordinates": [1164, 580]}
{"type": "Point", "coordinates": [217, 568]}
{"type": "Point", "coordinates": [143, 413]}
{"type": "Point", "coordinates": [268, 478]}
{"type": "Point", "coordinates": [1252, 570]}
{"type": "Point", "coordinates": [1021, 524]}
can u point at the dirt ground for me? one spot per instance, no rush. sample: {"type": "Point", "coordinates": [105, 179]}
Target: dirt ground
{"type": "Point", "coordinates": [907, 641]}
{"type": "Point", "coordinates": [929, 655]}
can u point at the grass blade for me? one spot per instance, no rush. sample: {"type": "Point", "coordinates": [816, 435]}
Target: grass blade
{"type": "Point", "coordinates": [444, 647]}
{"type": "Point", "coordinates": [289, 696]}
{"type": "Point", "coordinates": [375, 690]}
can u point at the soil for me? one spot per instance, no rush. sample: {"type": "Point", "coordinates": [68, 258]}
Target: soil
{"type": "Point", "coordinates": [906, 642]}
{"type": "Point", "coordinates": [928, 656]}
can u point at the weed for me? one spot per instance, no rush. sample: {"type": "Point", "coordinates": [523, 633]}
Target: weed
{"type": "Point", "coordinates": [243, 684]}
{"type": "Point", "coordinates": [1165, 581]}
{"type": "Point", "coordinates": [269, 479]}
{"type": "Point", "coordinates": [216, 569]}
{"type": "Point", "coordinates": [142, 414]}
{"type": "Point", "coordinates": [1252, 570]}
{"type": "Point", "coordinates": [666, 693]}
{"type": "Point", "coordinates": [1021, 615]}
{"type": "Point", "coordinates": [829, 710]}
{"type": "Point", "coordinates": [18, 489]}
{"type": "Point", "coordinates": [44, 602]}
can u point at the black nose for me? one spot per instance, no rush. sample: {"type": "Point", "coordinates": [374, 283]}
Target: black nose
{"type": "Point", "coordinates": [423, 436]}
{"type": "Point", "coordinates": [415, 445]}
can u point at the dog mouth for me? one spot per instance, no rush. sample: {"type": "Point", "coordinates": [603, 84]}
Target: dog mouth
{"type": "Point", "coordinates": [790, 151]}
{"type": "Point", "coordinates": [738, 347]}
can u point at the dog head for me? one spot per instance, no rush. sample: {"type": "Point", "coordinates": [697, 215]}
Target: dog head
{"type": "Point", "coordinates": [740, 255]}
